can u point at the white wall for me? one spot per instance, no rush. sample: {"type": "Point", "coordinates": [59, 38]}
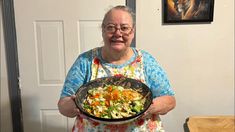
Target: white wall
{"type": "Point", "coordinates": [5, 111]}
{"type": "Point", "coordinates": [198, 58]}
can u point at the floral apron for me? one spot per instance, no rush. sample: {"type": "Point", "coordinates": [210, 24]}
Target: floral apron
{"type": "Point", "coordinates": [133, 70]}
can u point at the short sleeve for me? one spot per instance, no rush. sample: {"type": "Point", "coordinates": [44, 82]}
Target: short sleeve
{"type": "Point", "coordinates": [156, 77]}
{"type": "Point", "coordinates": [78, 74]}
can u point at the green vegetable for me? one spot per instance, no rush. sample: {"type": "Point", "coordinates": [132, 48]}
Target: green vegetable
{"type": "Point", "coordinates": [137, 106]}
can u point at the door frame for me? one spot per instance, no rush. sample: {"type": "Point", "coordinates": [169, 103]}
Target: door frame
{"type": "Point", "coordinates": [10, 38]}
{"type": "Point", "coordinates": [9, 32]}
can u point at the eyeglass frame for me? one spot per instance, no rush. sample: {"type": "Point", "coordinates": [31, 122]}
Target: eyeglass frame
{"type": "Point", "coordinates": [118, 28]}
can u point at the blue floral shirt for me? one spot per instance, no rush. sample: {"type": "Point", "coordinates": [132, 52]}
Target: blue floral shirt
{"type": "Point", "coordinates": [81, 72]}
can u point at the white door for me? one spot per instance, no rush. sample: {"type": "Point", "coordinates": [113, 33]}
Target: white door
{"type": "Point", "coordinates": [50, 35]}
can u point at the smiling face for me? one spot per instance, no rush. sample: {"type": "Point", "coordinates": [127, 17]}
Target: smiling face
{"type": "Point", "coordinates": [116, 36]}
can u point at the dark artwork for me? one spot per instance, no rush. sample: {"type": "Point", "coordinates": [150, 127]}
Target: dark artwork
{"type": "Point", "coordinates": [188, 10]}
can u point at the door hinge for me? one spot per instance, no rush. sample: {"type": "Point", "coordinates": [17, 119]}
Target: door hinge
{"type": "Point", "coordinates": [19, 83]}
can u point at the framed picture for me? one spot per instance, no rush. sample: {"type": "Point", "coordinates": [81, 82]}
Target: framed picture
{"type": "Point", "coordinates": [178, 11]}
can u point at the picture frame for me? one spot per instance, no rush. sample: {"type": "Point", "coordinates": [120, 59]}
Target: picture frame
{"type": "Point", "coordinates": [181, 11]}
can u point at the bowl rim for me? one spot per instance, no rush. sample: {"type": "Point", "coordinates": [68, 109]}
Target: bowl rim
{"type": "Point", "coordinates": [116, 120]}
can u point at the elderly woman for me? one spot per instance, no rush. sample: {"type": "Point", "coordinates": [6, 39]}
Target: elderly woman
{"type": "Point", "coordinates": [116, 57]}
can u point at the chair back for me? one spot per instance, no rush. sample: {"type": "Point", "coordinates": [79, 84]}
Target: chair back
{"type": "Point", "coordinates": [211, 124]}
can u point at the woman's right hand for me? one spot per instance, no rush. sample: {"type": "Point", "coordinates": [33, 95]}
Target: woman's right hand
{"type": "Point", "coordinates": [67, 106]}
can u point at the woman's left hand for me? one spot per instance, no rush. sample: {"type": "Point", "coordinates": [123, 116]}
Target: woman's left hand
{"type": "Point", "coordinates": [161, 105]}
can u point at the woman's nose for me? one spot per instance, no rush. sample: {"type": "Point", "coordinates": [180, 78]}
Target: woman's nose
{"type": "Point", "coordinates": [118, 32]}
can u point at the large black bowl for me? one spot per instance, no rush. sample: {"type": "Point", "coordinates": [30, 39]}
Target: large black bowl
{"type": "Point", "coordinates": [81, 95]}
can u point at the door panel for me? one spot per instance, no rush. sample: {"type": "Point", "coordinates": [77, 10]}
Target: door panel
{"type": "Point", "coordinates": [90, 29]}
{"type": "Point", "coordinates": [50, 36]}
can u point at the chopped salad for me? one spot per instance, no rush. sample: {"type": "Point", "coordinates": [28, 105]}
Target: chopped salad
{"type": "Point", "coordinates": [113, 102]}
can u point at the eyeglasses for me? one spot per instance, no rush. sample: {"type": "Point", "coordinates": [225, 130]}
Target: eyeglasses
{"type": "Point", "coordinates": [112, 28]}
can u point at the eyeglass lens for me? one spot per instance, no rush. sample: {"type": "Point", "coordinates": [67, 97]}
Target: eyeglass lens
{"type": "Point", "coordinates": [111, 28]}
